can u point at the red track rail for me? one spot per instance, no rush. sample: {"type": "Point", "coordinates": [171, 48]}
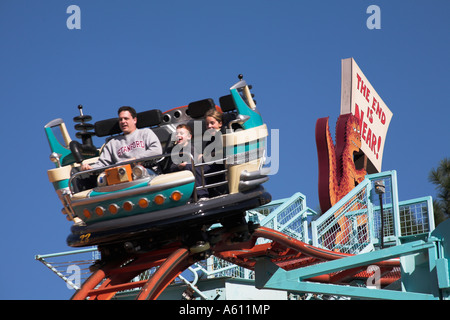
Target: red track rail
{"type": "Point", "coordinates": [285, 251]}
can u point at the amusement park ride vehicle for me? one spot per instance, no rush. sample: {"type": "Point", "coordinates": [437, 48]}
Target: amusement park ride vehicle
{"type": "Point", "coordinates": [138, 204]}
{"type": "Point", "coordinates": [142, 216]}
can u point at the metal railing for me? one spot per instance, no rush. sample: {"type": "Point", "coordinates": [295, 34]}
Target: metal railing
{"type": "Point", "coordinates": [354, 221]}
{"type": "Point", "coordinates": [346, 226]}
{"type": "Point", "coordinates": [289, 216]}
{"type": "Point", "coordinates": [353, 225]}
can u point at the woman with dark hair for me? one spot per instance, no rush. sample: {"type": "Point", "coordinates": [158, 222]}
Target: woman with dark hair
{"type": "Point", "coordinates": [214, 151]}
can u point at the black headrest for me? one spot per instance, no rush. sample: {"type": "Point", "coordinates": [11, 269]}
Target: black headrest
{"type": "Point", "coordinates": [227, 103]}
{"type": "Point", "coordinates": [149, 118]}
{"type": "Point", "coordinates": [197, 109]}
{"type": "Point", "coordinates": [109, 127]}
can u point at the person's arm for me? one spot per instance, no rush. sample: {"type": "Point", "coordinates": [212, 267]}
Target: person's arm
{"type": "Point", "coordinates": [152, 144]}
{"type": "Point", "coordinates": [103, 161]}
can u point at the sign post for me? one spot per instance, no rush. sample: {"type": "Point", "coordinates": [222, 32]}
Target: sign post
{"type": "Point", "coordinates": [359, 97]}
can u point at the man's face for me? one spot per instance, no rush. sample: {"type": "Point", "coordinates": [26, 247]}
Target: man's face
{"type": "Point", "coordinates": [126, 122]}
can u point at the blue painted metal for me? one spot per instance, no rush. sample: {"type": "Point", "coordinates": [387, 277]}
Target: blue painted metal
{"type": "Point", "coordinates": [243, 108]}
{"type": "Point", "coordinates": [322, 227]}
{"type": "Point", "coordinates": [410, 235]}
{"type": "Point", "coordinates": [185, 190]}
{"type": "Point", "coordinates": [253, 146]}
{"type": "Point", "coordinates": [290, 216]}
{"type": "Point", "coordinates": [423, 251]}
{"type": "Point", "coordinates": [442, 232]}
{"type": "Point", "coordinates": [55, 137]}
{"type": "Point", "coordinates": [403, 218]}
{"type": "Point", "coordinates": [269, 276]}
{"type": "Point", "coordinates": [409, 244]}
{"type": "Point", "coordinates": [390, 203]}
{"type": "Point", "coordinates": [52, 129]}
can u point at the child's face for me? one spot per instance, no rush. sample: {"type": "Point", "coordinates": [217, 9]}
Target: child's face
{"type": "Point", "coordinates": [183, 136]}
{"type": "Point", "coordinates": [212, 123]}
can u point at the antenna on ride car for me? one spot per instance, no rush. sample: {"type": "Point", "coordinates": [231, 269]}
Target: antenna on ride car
{"type": "Point", "coordinates": [86, 148]}
{"type": "Point", "coordinates": [82, 118]}
{"type": "Point", "coordinates": [83, 127]}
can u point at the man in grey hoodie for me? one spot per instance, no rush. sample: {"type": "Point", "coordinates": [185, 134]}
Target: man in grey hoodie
{"type": "Point", "coordinates": [134, 143]}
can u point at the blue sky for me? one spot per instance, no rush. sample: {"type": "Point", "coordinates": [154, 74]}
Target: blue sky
{"type": "Point", "coordinates": [164, 54]}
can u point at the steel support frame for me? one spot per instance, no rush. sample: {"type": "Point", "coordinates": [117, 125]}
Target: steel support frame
{"type": "Point", "coordinates": [270, 276]}
{"type": "Point", "coordinates": [115, 276]}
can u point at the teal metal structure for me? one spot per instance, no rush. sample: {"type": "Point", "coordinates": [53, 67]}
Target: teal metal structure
{"type": "Point", "coordinates": [409, 235]}
{"type": "Point", "coordinates": [424, 267]}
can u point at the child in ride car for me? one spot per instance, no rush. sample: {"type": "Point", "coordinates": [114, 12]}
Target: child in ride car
{"type": "Point", "coordinates": [184, 154]}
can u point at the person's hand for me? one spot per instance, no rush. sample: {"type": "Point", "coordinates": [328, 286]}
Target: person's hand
{"type": "Point", "coordinates": [126, 160]}
{"type": "Point", "coordinates": [85, 166]}
{"type": "Point", "coordinates": [182, 165]}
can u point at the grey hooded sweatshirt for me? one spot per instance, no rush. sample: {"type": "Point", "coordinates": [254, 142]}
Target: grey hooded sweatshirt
{"type": "Point", "coordinates": [139, 144]}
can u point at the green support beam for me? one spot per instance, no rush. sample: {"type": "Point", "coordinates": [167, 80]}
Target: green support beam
{"type": "Point", "coordinates": [269, 276]}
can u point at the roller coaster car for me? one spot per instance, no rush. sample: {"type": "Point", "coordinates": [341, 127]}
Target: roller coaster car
{"type": "Point", "coordinates": [140, 200]}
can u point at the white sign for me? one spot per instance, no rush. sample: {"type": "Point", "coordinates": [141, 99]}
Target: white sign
{"type": "Point", "coordinates": [360, 98]}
